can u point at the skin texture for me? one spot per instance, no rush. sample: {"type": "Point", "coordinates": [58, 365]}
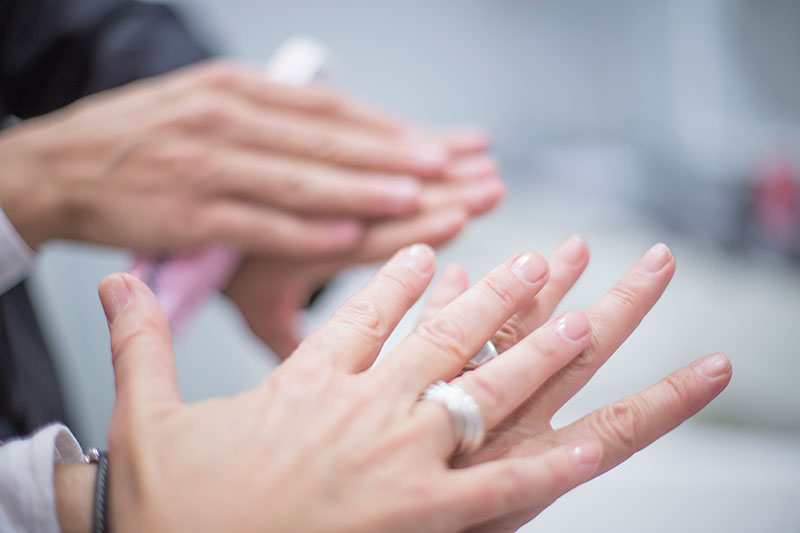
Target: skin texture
{"type": "Point", "coordinates": [621, 428]}
{"type": "Point", "coordinates": [304, 181]}
{"type": "Point", "coordinates": [331, 428]}
{"type": "Point", "coordinates": [217, 154]}
{"type": "Point", "coordinates": [74, 491]}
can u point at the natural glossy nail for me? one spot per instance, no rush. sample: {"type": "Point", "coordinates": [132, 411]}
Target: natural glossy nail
{"type": "Point", "coordinates": [572, 325]}
{"type": "Point", "coordinates": [586, 454]}
{"type": "Point", "coordinates": [712, 366]}
{"type": "Point", "coordinates": [117, 295]}
{"type": "Point", "coordinates": [572, 250]}
{"type": "Point", "coordinates": [655, 258]}
{"type": "Point", "coordinates": [419, 257]}
{"type": "Point", "coordinates": [530, 267]}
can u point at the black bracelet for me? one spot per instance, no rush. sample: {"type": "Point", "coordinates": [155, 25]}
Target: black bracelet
{"type": "Point", "coordinates": [100, 506]}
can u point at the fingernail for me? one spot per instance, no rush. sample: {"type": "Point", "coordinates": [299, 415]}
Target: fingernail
{"type": "Point", "coordinates": [712, 366]}
{"type": "Point", "coordinates": [447, 221]}
{"type": "Point", "coordinates": [572, 250]}
{"type": "Point", "coordinates": [586, 454]}
{"type": "Point", "coordinates": [429, 159]}
{"type": "Point", "coordinates": [655, 258]}
{"type": "Point", "coordinates": [419, 257]}
{"type": "Point", "coordinates": [346, 232]}
{"type": "Point", "coordinates": [118, 295]}
{"type": "Point", "coordinates": [400, 194]}
{"type": "Point", "coordinates": [530, 267]}
{"type": "Point", "coordinates": [453, 274]}
{"type": "Point", "coordinates": [469, 168]}
{"type": "Point", "coordinates": [402, 186]}
{"type": "Point", "coordinates": [572, 325]}
{"type": "Point", "coordinates": [483, 194]}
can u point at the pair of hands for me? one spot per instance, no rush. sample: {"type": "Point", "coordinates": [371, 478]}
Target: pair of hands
{"type": "Point", "coordinates": [331, 442]}
{"type": "Point", "coordinates": [303, 180]}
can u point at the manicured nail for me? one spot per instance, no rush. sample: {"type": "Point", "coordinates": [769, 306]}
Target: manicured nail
{"type": "Point", "coordinates": [468, 168]}
{"type": "Point", "coordinates": [429, 159]}
{"type": "Point", "coordinates": [473, 138]}
{"type": "Point", "coordinates": [482, 194]}
{"type": "Point", "coordinates": [447, 220]}
{"type": "Point", "coordinates": [402, 186]}
{"type": "Point", "coordinates": [586, 454]}
{"type": "Point", "coordinates": [400, 195]}
{"type": "Point", "coordinates": [118, 294]}
{"type": "Point", "coordinates": [655, 258]}
{"type": "Point", "coordinates": [419, 257]}
{"type": "Point", "coordinates": [712, 366]}
{"type": "Point", "coordinates": [346, 232]}
{"type": "Point", "coordinates": [453, 274]}
{"type": "Point", "coordinates": [572, 250]}
{"type": "Point", "coordinates": [530, 267]}
{"type": "Point", "coordinates": [572, 325]}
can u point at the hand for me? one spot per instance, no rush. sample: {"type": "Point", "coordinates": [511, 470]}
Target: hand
{"type": "Point", "coordinates": [323, 444]}
{"type": "Point", "coordinates": [271, 292]}
{"type": "Point", "coordinates": [216, 154]}
{"type": "Point", "coordinates": [621, 428]}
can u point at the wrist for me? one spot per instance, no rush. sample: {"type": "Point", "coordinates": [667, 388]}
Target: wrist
{"type": "Point", "coordinates": [74, 493]}
{"type": "Point", "coordinates": [27, 196]}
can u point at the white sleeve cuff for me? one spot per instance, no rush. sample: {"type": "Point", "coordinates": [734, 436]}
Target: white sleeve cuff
{"type": "Point", "coordinates": [27, 494]}
{"type": "Point", "coordinates": [16, 257]}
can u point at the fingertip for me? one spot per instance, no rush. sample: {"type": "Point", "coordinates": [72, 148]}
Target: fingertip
{"type": "Point", "coordinates": [530, 267]}
{"type": "Point", "coordinates": [419, 257]}
{"type": "Point", "coordinates": [455, 275]}
{"type": "Point", "coordinates": [713, 366]}
{"type": "Point", "coordinates": [585, 455]}
{"type": "Point", "coordinates": [572, 250]}
{"type": "Point", "coordinates": [115, 294]}
{"type": "Point", "coordinates": [484, 194]}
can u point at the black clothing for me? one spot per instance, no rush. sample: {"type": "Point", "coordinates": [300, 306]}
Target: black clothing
{"type": "Point", "coordinates": [53, 52]}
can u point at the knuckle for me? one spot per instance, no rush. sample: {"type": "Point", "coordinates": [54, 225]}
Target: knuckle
{"type": "Point", "coordinates": [209, 114]}
{"type": "Point", "coordinates": [678, 393]}
{"type": "Point", "coordinates": [367, 317]}
{"type": "Point", "coordinates": [510, 333]}
{"type": "Point", "coordinates": [492, 397]}
{"type": "Point", "coordinates": [626, 296]}
{"type": "Point", "coordinates": [135, 340]}
{"type": "Point", "coordinates": [325, 147]}
{"type": "Point", "coordinates": [510, 487]}
{"type": "Point", "coordinates": [193, 163]}
{"type": "Point", "coordinates": [498, 291]}
{"type": "Point", "coordinates": [446, 335]}
{"type": "Point", "coordinates": [618, 423]}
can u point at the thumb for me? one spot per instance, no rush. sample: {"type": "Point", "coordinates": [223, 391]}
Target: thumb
{"type": "Point", "coordinates": [141, 344]}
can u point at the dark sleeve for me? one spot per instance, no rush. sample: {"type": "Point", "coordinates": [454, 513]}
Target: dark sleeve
{"type": "Point", "coordinates": [53, 52]}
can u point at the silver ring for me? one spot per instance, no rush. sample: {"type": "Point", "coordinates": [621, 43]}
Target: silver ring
{"type": "Point", "coordinates": [485, 354]}
{"type": "Point", "coordinates": [465, 412]}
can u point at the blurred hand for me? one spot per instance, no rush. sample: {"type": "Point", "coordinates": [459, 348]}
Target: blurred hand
{"type": "Point", "coordinates": [322, 444]}
{"type": "Point", "coordinates": [271, 293]}
{"type": "Point", "coordinates": [217, 154]}
{"type": "Point", "coordinates": [621, 428]}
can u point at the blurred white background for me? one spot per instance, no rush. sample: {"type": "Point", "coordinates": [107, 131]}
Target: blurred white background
{"type": "Point", "coordinates": [625, 122]}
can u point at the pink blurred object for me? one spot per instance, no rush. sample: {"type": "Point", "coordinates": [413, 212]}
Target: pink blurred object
{"type": "Point", "coordinates": [182, 282]}
{"type": "Point", "coordinates": [776, 206]}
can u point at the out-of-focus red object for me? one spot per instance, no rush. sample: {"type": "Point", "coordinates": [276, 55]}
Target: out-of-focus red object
{"type": "Point", "coordinates": [775, 206]}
